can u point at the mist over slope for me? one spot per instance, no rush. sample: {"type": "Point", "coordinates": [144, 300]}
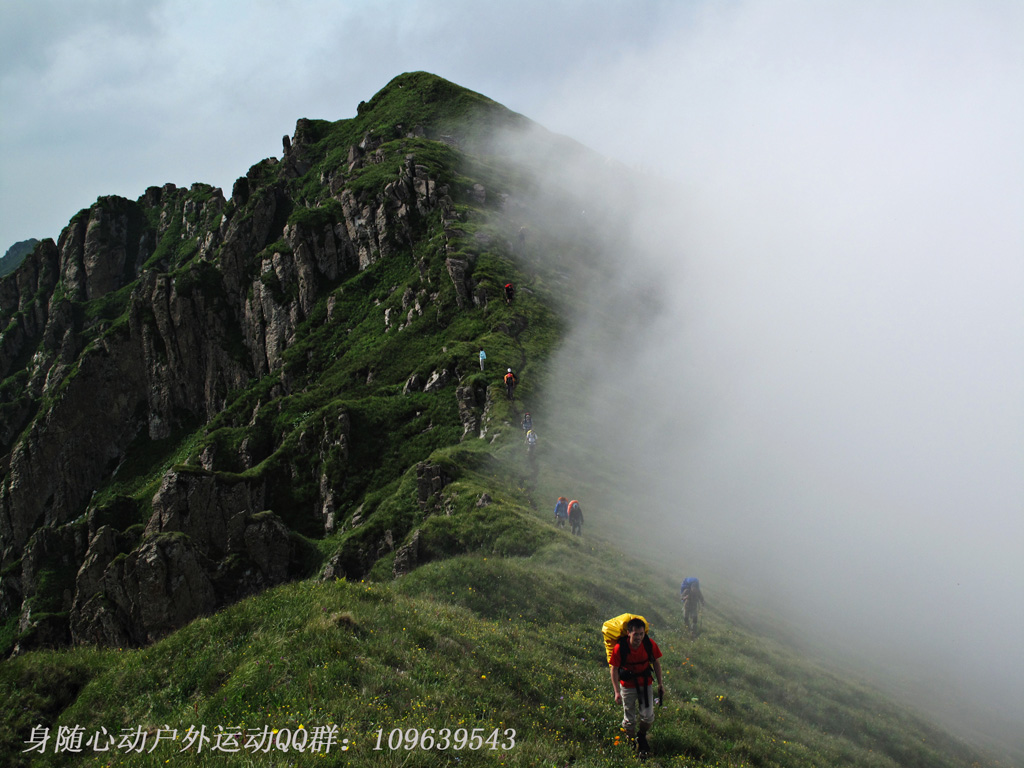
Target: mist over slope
{"type": "Point", "coordinates": [345, 435]}
{"type": "Point", "coordinates": [828, 410]}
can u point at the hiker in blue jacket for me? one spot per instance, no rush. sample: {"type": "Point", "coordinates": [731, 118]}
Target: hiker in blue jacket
{"type": "Point", "coordinates": [693, 599]}
{"type": "Point", "coordinates": [561, 511]}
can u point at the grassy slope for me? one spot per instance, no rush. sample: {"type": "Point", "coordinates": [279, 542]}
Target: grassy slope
{"type": "Point", "coordinates": [475, 641]}
{"type": "Point", "coordinates": [502, 628]}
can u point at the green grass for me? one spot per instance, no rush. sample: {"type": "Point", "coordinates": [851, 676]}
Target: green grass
{"type": "Point", "coordinates": [474, 641]}
{"type": "Point", "coordinates": [498, 628]}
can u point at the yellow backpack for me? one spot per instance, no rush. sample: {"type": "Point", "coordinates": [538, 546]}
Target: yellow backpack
{"type": "Point", "coordinates": [614, 629]}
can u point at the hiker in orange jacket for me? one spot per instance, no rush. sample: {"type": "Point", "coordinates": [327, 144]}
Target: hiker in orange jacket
{"type": "Point", "coordinates": [510, 384]}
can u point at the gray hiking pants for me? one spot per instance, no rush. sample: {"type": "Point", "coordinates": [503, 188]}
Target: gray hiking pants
{"type": "Point", "coordinates": [631, 703]}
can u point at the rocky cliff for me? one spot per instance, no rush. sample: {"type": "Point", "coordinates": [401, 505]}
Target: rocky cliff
{"type": "Point", "coordinates": [190, 386]}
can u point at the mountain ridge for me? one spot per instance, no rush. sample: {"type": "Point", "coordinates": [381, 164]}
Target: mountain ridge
{"type": "Point", "coordinates": [214, 406]}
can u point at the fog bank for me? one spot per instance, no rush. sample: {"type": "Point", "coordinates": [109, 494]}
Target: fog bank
{"type": "Point", "coordinates": [830, 405]}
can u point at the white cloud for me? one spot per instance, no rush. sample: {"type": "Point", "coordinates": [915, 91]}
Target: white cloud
{"type": "Point", "coordinates": [844, 317]}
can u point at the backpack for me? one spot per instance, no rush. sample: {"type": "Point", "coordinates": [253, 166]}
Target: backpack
{"type": "Point", "coordinates": [615, 629]}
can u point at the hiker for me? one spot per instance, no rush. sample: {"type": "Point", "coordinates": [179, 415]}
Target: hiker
{"type": "Point", "coordinates": [510, 293]}
{"type": "Point", "coordinates": [693, 599]}
{"type": "Point", "coordinates": [632, 661]}
{"type": "Point", "coordinates": [483, 356]}
{"type": "Point", "coordinates": [575, 518]}
{"type": "Point", "coordinates": [531, 443]}
{"type": "Point", "coordinates": [561, 511]}
{"type": "Point", "coordinates": [510, 384]}
{"type": "Point", "coordinates": [527, 421]}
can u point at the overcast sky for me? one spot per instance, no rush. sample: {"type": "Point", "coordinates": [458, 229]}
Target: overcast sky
{"type": "Point", "coordinates": [119, 95]}
{"type": "Point", "coordinates": [848, 244]}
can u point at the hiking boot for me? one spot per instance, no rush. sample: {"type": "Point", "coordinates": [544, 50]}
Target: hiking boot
{"type": "Point", "coordinates": [643, 749]}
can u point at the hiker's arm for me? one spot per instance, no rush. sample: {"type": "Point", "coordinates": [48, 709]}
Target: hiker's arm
{"type": "Point", "coordinates": [657, 671]}
{"type": "Point", "coordinates": [615, 684]}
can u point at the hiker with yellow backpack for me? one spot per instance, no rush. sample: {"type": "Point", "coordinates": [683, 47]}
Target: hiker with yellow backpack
{"type": "Point", "coordinates": [632, 657]}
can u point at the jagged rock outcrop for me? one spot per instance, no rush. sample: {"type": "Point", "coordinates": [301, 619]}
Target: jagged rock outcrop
{"type": "Point", "coordinates": [178, 359]}
{"type": "Point", "coordinates": [333, 455]}
{"type": "Point", "coordinates": [430, 479]}
{"type": "Point", "coordinates": [289, 284]}
{"type": "Point", "coordinates": [296, 149]}
{"type": "Point", "coordinates": [138, 324]}
{"type": "Point", "coordinates": [210, 510]}
{"type": "Point", "coordinates": [378, 227]}
{"type": "Point", "coordinates": [206, 544]}
{"type": "Point", "coordinates": [458, 271]}
{"type": "Point", "coordinates": [185, 333]}
{"type": "Point", "coordinates": [407, 556]}
{"type": "Point", "coordinates": [472, 399]}
{"type": "Point", "coordinates": [139, 598]}
{"type": "Point", "coordinates": [24, 304]}
{"type": "Point", "coordinates": [80, 439]}
{"type": "Point", "coordinates": [438, 379]}
{"type": "Point", "coordinates": [47, 585]}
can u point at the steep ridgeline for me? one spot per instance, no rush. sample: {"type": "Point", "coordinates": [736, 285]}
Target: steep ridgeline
{"type": "Point", "coordinates": [201, 398]}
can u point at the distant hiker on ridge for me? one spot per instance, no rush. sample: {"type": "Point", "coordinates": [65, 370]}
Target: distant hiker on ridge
{"type": "Point", "coordinates": [483, 356]}
{"type": "Point", "coordinates": [510, 384]}
{"type": "Point", "coordinates": [693, 599]}
{"type": "Point", "coordinates": [531, 444]}
{"type": "Point", "coordinates": [527, 421]}
{"type": "Point", "coordinates": [510, 293]}
{"type": "Point", "coordinates": [575, 518]}
{"type": "Point", "coordinates": [561, 511]}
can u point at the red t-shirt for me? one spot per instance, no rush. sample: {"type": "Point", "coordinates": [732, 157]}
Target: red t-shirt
{"type": "Point", "coordinates": [636, 660]}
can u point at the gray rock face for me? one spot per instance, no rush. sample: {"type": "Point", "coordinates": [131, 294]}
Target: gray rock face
{"type": "Point", "coordinates": [215, 306]}
{"type": "Point", "coordinates": [24, 304]}
{"type": "Point", "coordinates": [204, 547]}
{"type": "Point", "coordinates": [464, 287]}
{"type": "Point", "coordinates": [157, 588]}
{"type": "Point", "coordinates": [438, 379]}
{"type": "Point", "coordinates": [211, 512]}
{"type": "Point", "coordinates": [62, 456]}
{"type": "Point", "coordinates": [472, 400]}
{"type": "Point", "coordinates": [430, 479]}
{"type": "Point", "coordinates": [407, 556]}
